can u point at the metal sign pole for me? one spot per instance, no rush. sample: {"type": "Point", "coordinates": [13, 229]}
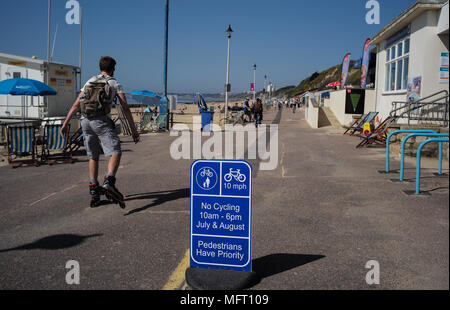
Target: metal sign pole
{"type": "Point", "coordinates": [227, 86]}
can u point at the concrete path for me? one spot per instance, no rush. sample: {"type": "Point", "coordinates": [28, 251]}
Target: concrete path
{"type": "Point", "coordinates": [318, 219]}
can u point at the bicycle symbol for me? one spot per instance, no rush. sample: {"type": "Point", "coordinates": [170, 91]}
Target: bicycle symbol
{"type": "Point", "coordinates": [206, 178]}
{"type": "Point", "coordinates": [237, 175]}
{"type": "Point", "coordinates": [206, 173]}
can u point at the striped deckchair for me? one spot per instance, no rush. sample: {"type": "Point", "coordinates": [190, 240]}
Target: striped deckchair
{"type": "Point", "coordinates": [21, 142]}
{"type": "Point", "coordinates": [378, 136]}
{"type": "Point", "coordinates": [53, 142]}
{"type": "Point", "coordinates": [76, 141]}
{"type": "Point", "coordinates": [358, 126]}
{"type": "Point", "coordinates": [146, 120]}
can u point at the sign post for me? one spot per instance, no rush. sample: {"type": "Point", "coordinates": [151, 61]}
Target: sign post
{"type": "Point", "coordinates": [220, 225]}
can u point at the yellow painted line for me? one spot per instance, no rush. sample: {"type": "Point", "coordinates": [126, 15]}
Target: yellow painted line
{"type": "Point", "coordinates": [178, 275]}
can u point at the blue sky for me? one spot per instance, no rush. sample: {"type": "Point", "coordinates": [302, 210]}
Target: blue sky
{"type": "Point", "coordinates": [287, 39]}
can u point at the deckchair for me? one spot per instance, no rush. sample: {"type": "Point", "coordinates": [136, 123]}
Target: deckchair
{"type": "Point", "coordinates": [358, 125]}
{"type": "Point", "coordinates": [21, 142]}
{"type": "Point", "coordinates": [160, 122]}
{"type": "Point", "coordinates": [53, 142]}
{"type": "Point", "coordinates": [378, 136]}
{"type": "Point", "coordinates": [146, 120]}
{"type": "Point", "coordinates": [76, 141]}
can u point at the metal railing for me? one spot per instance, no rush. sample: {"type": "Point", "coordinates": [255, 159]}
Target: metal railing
{"type": "Point", "coordinates": [431, 110]}
{"type": "Point", "coordinates": [419, 151]}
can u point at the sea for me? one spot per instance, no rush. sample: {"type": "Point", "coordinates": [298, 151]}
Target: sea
{"type": "Point", "coordinates": [181, 99]}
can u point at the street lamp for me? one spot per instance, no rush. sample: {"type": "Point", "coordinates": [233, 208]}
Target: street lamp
{"type": "Point", "coordinates": [228, 86]}
{"type": "Point", "coordinates": [265, 88]}
{"type": "Point", "coordinates": [254, 83]}
{"type": "Point", "coordinates": [164, 99]}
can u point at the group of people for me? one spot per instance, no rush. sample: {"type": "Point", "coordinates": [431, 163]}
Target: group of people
{"type": "Point", "coordinates": [292, 103]}
{"type": "Point", "coordinates": [253, 111]}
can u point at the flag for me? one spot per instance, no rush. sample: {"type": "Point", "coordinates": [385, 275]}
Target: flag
{"type": "Point", "coordinates": [345, 67]}
{"type": "Point", "coordinates": [365, 64]}
{"type": "Point", "coordinates": [252, 87]}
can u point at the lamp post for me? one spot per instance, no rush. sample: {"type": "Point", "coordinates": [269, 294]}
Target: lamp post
{"type": "Point", "coordinates": [48, 29]}
{"type": "Point", "coordinates": [254, 83]}
{"type": "Point", "coordinates": [166, 47]}
{"type": "Point", "coordinates": [265, 88]}
{"type": "Point", "coordinates": [228, 86]}
{"type": "Point", "coordinates": [81, 45]}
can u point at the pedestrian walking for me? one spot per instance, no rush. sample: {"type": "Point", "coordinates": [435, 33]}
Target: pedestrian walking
{"type": "Point", "coordinates": [258, 112]}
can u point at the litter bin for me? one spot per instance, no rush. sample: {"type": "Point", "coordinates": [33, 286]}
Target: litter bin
{"type": "Point", "coordinates": [207, 118]}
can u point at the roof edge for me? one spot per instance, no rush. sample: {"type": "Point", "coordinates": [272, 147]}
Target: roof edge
{"type": "Point", "coordinates": [415, 7]}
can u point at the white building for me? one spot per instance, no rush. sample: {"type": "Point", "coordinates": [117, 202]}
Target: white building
{"type": "Point", "coordinates": [412, 48]}
{"type": "Point", "coordinates": [61, 77]}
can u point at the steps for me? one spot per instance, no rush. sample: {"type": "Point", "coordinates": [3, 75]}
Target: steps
{"type": "Point", "coordinates": [327, 118]}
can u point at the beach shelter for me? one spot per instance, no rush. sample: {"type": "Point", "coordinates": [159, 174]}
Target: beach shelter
{"type": "Point", "coordinates": [146, 97]}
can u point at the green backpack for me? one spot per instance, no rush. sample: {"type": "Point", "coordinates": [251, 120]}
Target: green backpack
{"type": "Point", "coordinates": [97, 98]}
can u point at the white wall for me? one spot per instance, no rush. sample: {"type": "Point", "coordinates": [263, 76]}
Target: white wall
{"type": "Point", "coordinates": [369, 104]}
{"type": "Point", "coordinates": [312, 116]}
{"type": "Point", "coordinates": [424, 60]}
{"type": "Point", "coordinates": [10, 106]}
{"type": "Point", "coordinates": [337, 105]}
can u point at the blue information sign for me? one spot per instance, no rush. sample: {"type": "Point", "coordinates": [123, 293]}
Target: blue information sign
{"type": "Point", "coordinates": [221, 214]}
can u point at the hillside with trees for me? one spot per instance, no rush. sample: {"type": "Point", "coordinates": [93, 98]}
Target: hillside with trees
{"type": "Point", "coordinates": [318, 81]}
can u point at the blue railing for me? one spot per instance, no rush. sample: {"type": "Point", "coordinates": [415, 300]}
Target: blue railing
{"type": "Point", "coordinates": [388, 141]}
{"type": "Point", "coordinates": [435, 137]}
{"type": "Point", "coordinates": [402, 157]}
{"type": "Point", "coordinates": [419, 151]}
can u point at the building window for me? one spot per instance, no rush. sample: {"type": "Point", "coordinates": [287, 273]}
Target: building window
{"type": "Point", "coordinates": [397, 65]}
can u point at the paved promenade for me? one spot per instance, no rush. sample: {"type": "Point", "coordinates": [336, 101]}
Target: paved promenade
{"type": "Point", "coordinates": [317, 219]}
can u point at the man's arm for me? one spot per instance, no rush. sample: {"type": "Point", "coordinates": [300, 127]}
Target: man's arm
{"type": "Point", "coordinates": [73, 110]}
{"type": "Point", "coordinates": [127, 113]}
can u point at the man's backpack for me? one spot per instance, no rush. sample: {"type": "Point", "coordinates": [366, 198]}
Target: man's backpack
{"type": "Point", "coordinates": [97, 98]}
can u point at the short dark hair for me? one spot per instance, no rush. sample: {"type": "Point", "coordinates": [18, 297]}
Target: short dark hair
{"type": "Point", "coordinates": [107, 64]}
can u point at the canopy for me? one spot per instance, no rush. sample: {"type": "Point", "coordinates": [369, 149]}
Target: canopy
{"type": "Point", "coordinates": [146, 97]}
{"type": "Point", "coordinates": [145, 93]}
{"type": "Point", "coordinates": [334, 84]}
{"type": "Point", "coordinates": [25, 87]}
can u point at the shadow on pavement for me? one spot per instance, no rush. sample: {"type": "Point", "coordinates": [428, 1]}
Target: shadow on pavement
{"type": "Point", "coordinates": [55, 242]}
{"type": "Point", "coordinates": [273, 264]}
{"type": "Point", "coordinates": [160, 198]}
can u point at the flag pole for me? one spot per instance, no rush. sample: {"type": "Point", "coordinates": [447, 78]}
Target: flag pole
{"type": "Point", "coordinates": [48, 29]}
{"type": "Point", "coordinates": [81, 44]}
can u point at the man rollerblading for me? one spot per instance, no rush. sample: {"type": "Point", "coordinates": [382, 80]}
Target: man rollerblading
{"type": "Point", "coordinates": [96, 191]}
{"type": "Point", "coordinates": [111, 192]}
{"type": "Point", "coordinates": [94, 102]}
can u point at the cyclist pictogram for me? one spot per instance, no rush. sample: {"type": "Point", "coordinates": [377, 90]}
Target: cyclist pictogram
{"type": "Point", "coordinates": [206, 178]}
{"type": "Point", "coordinates": [237, 175]}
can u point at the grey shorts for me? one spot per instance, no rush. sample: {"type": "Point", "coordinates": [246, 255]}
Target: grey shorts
{"type": "Point", "coordinates": [100, 129]}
